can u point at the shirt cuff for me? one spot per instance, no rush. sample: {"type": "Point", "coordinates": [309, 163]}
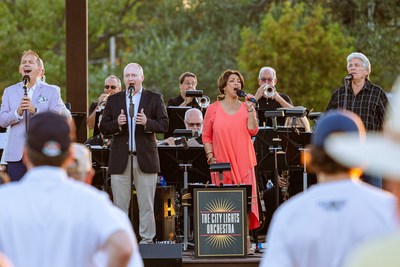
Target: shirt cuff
{"type": "Point", "coordinates": [18, 117]}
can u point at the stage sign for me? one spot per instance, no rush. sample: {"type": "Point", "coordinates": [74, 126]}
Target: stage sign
{"type": "Point", "coordinates": [220, 221]}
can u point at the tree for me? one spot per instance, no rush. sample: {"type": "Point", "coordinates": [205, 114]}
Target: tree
{"type": "Point", "coordinates": [32, 28]}
{"type": "Point", "coordinates": [307, 49]}
{"type": "Point", "coordinates": [198, 36]}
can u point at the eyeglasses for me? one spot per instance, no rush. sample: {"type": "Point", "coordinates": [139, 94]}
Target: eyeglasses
{"type": "Point", "coordinates": [192, 84]}
{"type": "Point", "coordinates": [192, 124]}
{"type": "Point", "coordinates": [110, 86]}
{"type": "Point", "coordinates": [270, 80]}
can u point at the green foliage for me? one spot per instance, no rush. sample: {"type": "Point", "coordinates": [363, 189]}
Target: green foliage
{"type": "Point", "coordinates": [198, 36]}
{"type": "Point", "coordinates": [378, 38]}
{"type": "Point", "coordinates": [205, 36]}
{"type": "Point", "coordinates": [32, 28]}
{"type": "Point", "coordinates": [304, 46]}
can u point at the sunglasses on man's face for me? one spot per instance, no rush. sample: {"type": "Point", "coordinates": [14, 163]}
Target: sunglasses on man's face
{"type": "Point", "coordinates": [110, 86]}
{"type": "Point", "coordinates": [270, 80]}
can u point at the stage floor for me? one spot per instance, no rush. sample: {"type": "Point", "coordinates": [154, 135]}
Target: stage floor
{"type": "Point", "coordinates": [189, 260]}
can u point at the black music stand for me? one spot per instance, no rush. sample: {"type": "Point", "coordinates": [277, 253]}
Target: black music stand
{"type": "Point", "coordinates": [293, 143]}
{"type": "Point", "coordinates": [184, 164]}
{"type": "Point", "coordinates": [78, 118]}
{"type": "Point", "coordinates": [100, 156]}
{"type": "Point", "coordinates": [270, 157]}
{"type": "Point", "coordinates": [176, 117]}
{"type": "Point", "coordinates": [172, 156]}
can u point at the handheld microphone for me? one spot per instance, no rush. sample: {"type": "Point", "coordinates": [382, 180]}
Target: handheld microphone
{"type": "Point", "coordinates": [349, 77]}
{"type": "Point", "coordinates": [243, 94]}
{"type": "Point", "coordinates": [25, 80]}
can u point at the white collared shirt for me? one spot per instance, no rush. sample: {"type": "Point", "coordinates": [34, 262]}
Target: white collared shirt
{"type": "Point", "coordinates": [136, 100]}
{"type": "Point", "coordinates": [46, 210]}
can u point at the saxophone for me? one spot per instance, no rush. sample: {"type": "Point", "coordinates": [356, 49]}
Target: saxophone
{"type": "Point", "coordinates": [286, 177]}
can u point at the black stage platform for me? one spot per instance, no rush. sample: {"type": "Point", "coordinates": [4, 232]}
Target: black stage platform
{"type": "Point", "coordinates": [172, 255]}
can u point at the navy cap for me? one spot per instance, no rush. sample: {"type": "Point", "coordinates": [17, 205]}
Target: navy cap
{"type": "Point", "coordinates": [336, 121]}
{"type": "Point", "coordinates": [48, 134]}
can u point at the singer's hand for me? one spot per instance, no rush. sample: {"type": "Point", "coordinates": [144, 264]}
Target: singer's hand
{"type": "Point", "coordinates": [248, 102]}
{"type": "Point", "coordinates": [141, 118]}
{"type": "Point", "coordinates": [25, 104]}
{"type": "Point", "coordinates": [121, 118]}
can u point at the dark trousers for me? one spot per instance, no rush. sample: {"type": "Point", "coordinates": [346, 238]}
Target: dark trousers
{"type": "Point", "coordinates": [16, 169]}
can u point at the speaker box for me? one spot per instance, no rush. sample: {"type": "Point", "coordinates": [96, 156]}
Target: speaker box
{"type": "Point", "coordinates": [165, 255]}
{"type": "Point", "coordinates": [164, 213]}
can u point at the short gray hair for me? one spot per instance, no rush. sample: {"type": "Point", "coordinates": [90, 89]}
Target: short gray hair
{"type": "Point", "coordinates": [114, 77]}
{"type": "Point", "coordinates": [192, 110]}
{"type": "Point", "coordinates": [363, 59]}
{"type": "Point", "coordinates": [263, 69]}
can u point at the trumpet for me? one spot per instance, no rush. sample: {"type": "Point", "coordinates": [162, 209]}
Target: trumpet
{"type": "Point", "coordinates": [102, 103]}
{"type": "Point", "coordinates": [270, 90]}
{"type": "Point", "coordinates": [203, 101]}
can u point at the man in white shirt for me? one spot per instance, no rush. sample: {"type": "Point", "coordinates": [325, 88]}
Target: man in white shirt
{"type": "Point", "coordinates": [322, 226]}
{"type": "Point", "coordinates": [81, 170]}
{"type": "Point", "coordinates": [50, 220]}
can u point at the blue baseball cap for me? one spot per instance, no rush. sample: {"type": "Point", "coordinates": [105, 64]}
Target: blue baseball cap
{"type": "Point", "coordinates": [336, 121]}
{"type": "Point", "coordinates": [48, 134]}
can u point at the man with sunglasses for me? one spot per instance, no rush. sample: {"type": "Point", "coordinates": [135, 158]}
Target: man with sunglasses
{"type": "Point", "coordinates": [267, 78]}
{"type": "Point", "coordinates": [194, 122]}
{"type": "Point", "coordinates": [112, 85]}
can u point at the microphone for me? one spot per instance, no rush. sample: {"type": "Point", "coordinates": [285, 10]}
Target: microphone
{"type": "Point", "coordinates": [131, 88]}
{"type": "Point", "coordinates": [243, 94]}
{"type": "Point", "coordinates": [349, 77]}
{"type": "Point", "coordinates": [26, 79]}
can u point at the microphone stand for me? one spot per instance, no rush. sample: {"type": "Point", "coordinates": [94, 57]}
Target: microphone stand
{"type": "Point", "coordinates": [347, 83]}
{"type": "Point", "coordinates": [25, 111]}
{"type": "Point", "coordinates": [131, 116]}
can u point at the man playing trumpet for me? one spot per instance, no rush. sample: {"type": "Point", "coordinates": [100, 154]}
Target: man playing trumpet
{"type": "Point", "coordinates": [267, 97]}
{"type": "Point", "coordinates": [112, 85]}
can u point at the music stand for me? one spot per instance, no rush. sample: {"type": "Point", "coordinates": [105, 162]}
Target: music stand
{"type": "Point", "coordinates": [176, 116]}
{"type": "Point", "coordinates": [100, 156]}
{"type": "Point", "coordinates": [172, 156]}
{"type": "Point", "coordinates": [78, 118]}
{"type": "Point", "coordinates": [265, 120]}
{"type": "Point", "coordinates": [270, 157]}
{"type": "Point", "coordinates": [193, 162]}
{"type": "Point", "coordinates": [293, 143]}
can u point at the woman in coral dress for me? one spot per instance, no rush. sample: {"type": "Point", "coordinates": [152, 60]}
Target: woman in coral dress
{"type": "Point", "coordinates": [228, 127]}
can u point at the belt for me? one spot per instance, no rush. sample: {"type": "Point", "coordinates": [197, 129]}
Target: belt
{"type": "Point", "coordinates": [132, 153]}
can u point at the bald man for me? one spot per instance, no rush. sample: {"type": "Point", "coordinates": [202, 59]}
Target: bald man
{"type": "Point", "coordinates": [134, 142]}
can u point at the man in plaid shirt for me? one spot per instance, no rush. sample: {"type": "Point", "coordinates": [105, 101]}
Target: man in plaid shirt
{"type": "Point", "coordinates": [362, 97]}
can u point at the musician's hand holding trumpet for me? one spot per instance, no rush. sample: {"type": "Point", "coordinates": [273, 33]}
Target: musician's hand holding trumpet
{"type": "Point", "coordinates": [266, 90]}
{"type": "Point", "coordinates": [102, 102]}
